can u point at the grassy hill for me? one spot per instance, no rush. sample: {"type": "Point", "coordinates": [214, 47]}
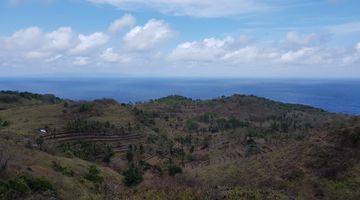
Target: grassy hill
{"type": "Point", "coordinates": [237, 147]}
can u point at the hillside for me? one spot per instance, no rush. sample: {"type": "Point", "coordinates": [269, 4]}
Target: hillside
{"type": "Point", "coordinates": [237, 147]}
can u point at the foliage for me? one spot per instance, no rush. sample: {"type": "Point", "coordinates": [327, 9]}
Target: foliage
{"type": "Point", "coordinates": [174, 169]}
{"type": "Point", "coordinates": [207, 118]}
{"type": "Point", "coordinates": [85, 126]}
{"type": "Point", "coordinates": [251, 147]}
{"type": "Point", "coordinates": [192, 125]}
{"type": "Point", "coordinates": [174, 100]}
{"type": "Point", "coordinates": [15, 96]}
{"type": "Point", "coordinates": [132, 176]}
{"type": "Point", "coordinates": [145, 117]}
{"type": "Point", "coordinates": [85, 150]}
{"type": "Point", "coordinates": [4, 159]}
{"type": "Point", "coordinates": [64, 170]}
{"type": "Point", "coordinates": [86, 107]}
{"type": "Point", "coordinates": [108, 153]}
{"type": "Point", "coordinates": [130, 154]}
{"type": "Point", "coordinates": [39, 141]}
{"type": "Point", "coordinates": [94, 174]}
{"type": "Point", "coordinates": [231, 123]}
{"type": "Point", "coordinates": [4, 123]}
{"type": "Point", "coordinates": [332, 189]}
{"type": "Point", "coordinates": [22, 186]}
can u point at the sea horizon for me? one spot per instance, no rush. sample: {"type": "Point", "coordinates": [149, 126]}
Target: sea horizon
{"type": "Point", "coordinates": [331, 94]}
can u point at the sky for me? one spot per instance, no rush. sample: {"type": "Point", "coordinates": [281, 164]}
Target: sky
{"type": "Point", "coordinates": [180, 38]}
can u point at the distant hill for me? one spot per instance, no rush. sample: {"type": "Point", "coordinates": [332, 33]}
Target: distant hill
{"type": "Point", "coordinates": [237, 147]}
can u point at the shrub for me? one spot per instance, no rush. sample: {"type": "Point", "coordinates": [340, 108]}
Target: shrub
{"type": "Point", "coordinates": [130, 154]}
{"type": "Point", "coordinates": [64, 170]}
{"type": "Point", "coordinates": [4, 123]}
{"type": "Point", "coordinates": [37, 184]}
{"type": "Point", "coordinates": [85, 126]}
{"type": "Point", "coordinates": [4, 159]}
{"type": "Point", "coordinates": [191, 125]}
{"type": "Point", "coordinates": [339, 189]}
{"type": "Point", "coordinates": [39, 141]}
{"type": "Point", "coordinates": [144, 165]}
{"type": "Point", "coordinates": [90, 151]}
{"type": "Point", "coordinates": [174, 169]}
{"type": "Point", "coordinates": [86, 107]}
{"type": "Point", "coordinates": [108, 154]}
{"type": "Point", "coordinates": [22, 186]}
{"type": "Point", "coordinates": [94, 175]}
{"type": "Point", "coordinates": [132, 176]}
{"type": "Point", "coordinates": [17, 188]}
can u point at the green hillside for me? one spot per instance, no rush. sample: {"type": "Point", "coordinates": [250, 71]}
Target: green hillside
{"type": "Point", "coordinates": [237, 147]}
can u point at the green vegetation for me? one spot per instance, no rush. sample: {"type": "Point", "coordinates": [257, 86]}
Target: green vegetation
{"type": "Point", "coordinates": [238, 147]}
{"type": "Point", "coordinates": [133, 175]}
{"type": "Point", "coordinates": [174, 169]}
{"type": "Point", "coordinates": [85, 126]}
{"type": "Point", "coordinates": [94, 175]}
{"type": "Point", "coordinates": [4, 123]}
{"type": "Point", "coordinates": [24, 185]}
{"type": "Point", "coordinates": [64, 170]}
{"type": "Point", "coordinates": [192, 125]}
{"type": "Point", "coordinates": [87, 150]}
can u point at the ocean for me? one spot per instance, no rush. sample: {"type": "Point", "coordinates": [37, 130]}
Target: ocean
{"type": "Point", "coordinates": [335, 95]}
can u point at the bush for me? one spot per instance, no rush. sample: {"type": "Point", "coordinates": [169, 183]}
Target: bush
{"type": "Point", "coordinates": [64, 170]}
{"type": "Point", "coordinates": [86, 107]}
{"type": "Point", "coordinates": [4, 123]}
{"type": "Point", "coordinates": [94, 175]}
{"type": "Point", "coordinates": [108, 154]}
{"type": "Point", "coordinates": [22, 186]}
{"type": "Point", "coordinates": [85, 126]}
{"type": "Point", "coordinates": [174, 169]}
{"type": "Point", "coordinates": [18, 188]}
{"type": "Point", "coordinates": [191, 125]}
{"type": "Point", "coordinates": [37, 184]}
{"type": "Point", "coordinates": [4, 159]}
{"type": "Point", "coordinates": [132, 176]}
{"type": "Point", "coordinates": [90, 151]}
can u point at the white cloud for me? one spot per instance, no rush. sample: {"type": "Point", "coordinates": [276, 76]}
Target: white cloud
{"type": "Point", "coordinates": [88, 42]}
{"type": "Point", "coordinates": [149, 36]}
{"type": "Point", "coordinates": [294, 38]}
{"type": "Point", "coordinates": [63, 48]}
{"type": "Point", "coordinates": [37, 55]}
{"type": "Point", "coordinates": [296, 55]}
{"type": "Point", "coordinates": [33, 43]}
{"type": "Point", "coordinates": [228, 51]}
{"type": "Point", "coordinates": [200, 8]}
{"type": "Point", "coordinates": [54, 58]}
{"type": "Point", "coordinates": [126, 21]}
{"type": "Point", "coordinates": [109, 55]}
{"type": "Point", "coordinates": [60, 39]}
{"type": "Point", "coordinates": [207, 50]}
{"type": "Point", "coordinates": [28, 38]}
{"type": "Point", "coordinates": [81, 61]}
{"type": "Point", "coordinates": [354, 57]}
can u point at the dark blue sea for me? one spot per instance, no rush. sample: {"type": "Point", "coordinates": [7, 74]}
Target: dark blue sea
{"type": "Point", "coordinates": [332, 95]}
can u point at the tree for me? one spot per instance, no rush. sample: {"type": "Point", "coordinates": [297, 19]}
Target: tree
{"type": "Point", "coordinates": [132, 176]}
{"type": "Point", "coordinates": [3, 161]}
{"type": "Point", "coordinates": [94, 174]}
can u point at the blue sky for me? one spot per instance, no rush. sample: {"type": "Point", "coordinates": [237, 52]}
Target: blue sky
{"type": "Point", "coordinates": [207, 38]}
